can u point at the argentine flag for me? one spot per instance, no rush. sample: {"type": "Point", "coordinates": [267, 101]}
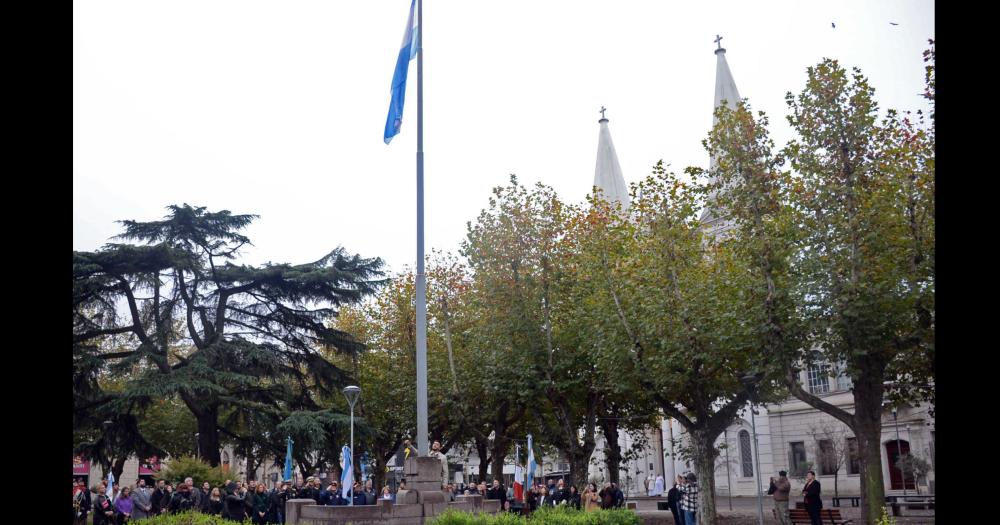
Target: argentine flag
{"type": "Point", "coordinates": [408, 50]}
{"type": "Point", "coordinates": [111, 486]}
{"type": "Point", "coordinates": [531, 463]}
{"type": "Point", "coordinates": [347, 474]}
{"type": "Point", "coordinates": [288, 461]}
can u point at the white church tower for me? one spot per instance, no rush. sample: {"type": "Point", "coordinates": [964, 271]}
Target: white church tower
{"type": "Point", "coordinates": [608, 173]}
{"type": "Point", "coordinates": [725, 91]}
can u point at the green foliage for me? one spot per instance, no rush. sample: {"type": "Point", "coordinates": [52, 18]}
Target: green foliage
{"type": "Point", "coordinates": [180, 468]}
{"type": "Point", "coordinates": [885, 518]}
{"type": "Point", "coordinates": [191, 518]}
{"type": "Point", "coordinates": [239, 345]}
{"type": "Point", "coordinates": [561, 515]}
{"type": "Point", "coordinates": [913, 466]}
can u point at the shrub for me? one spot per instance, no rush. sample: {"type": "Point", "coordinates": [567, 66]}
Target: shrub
{"type": "Point", "coordinates": [561, 515]}
{"type": "Point", "coordinates": [189, 467]}
{"type": "Point", "coordinates": [189, 518]}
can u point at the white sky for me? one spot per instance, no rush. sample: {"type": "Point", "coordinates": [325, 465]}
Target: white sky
{"type": "Point", "coordinates": [278, 108]}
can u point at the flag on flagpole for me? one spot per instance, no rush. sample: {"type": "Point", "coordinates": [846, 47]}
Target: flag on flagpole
{"type": "Point", "coordinates": [407, 51]}
{"type": "Point", "coordinates": [111, 485]}
{"type": "Point", "coordinates": [531, 463]}
{"type": "Point", "coordinates": [347, 473]}
{"type": "Point", "coordinates": [518, 473]}
{"type": "Point", "coordinates": [288, 461]}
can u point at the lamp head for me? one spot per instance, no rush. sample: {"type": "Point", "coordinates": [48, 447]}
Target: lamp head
{"type": "Point", "coordinates": [352, 393]}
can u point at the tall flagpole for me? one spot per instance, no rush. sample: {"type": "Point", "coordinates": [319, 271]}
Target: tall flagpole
{"type": "Point", "coordinates": [422, 445]}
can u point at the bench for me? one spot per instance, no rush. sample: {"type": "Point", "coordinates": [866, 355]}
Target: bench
{"type": "Point", "coordinates": [918, 502]}
{"type": "Point", "coordinates": [828, 516]}
{"type": "Point", "coordinates": [855, 500]}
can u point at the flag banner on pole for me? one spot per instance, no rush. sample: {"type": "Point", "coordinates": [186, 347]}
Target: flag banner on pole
{"type": "Point", "coordinates": [531, 463]}
{"type": "Point", "coordinates": [111, 485]}
{"type": "Point", "coordinates": [288, 461]}
{"type": "Point", "coordinates": [407, 51]}
{"type": "Point", "coordinates": [347, 472]}
{"type": "Point", "coordinates": [518, 482]}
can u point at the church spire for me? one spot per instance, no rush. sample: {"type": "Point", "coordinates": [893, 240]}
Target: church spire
{"type": "Point", "coordinates": [725, 91]}
{"type": "Point", "coordinates": [608, 174]}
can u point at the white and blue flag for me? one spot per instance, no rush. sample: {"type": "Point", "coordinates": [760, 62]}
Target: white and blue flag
{"type": "Point", "coordinates": [347, 473]}
{"type": "Point", "coordinates": [531, 463]}
{"type": "Point", "coordinates": [111, 486]}
{"type": "Point", "coordinates": [408, 50]}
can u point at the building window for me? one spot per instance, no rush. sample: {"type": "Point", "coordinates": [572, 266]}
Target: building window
{"type": "Point", "coordinates": [853, 456]}
{"type": "Point", "coordinates": [843, 380]}
{"type": "Point", "coordinates": [797, 458]}
{"type": "Point", "coordinates": [819, 379]}
{"type": "Point", "coordinates": [746, 455]}
{"type": "Point", "coordinates": [827, 458]}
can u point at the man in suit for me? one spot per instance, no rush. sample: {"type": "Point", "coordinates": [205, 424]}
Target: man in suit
{"type": "Point", "coordinates": [812, 498]}
{"type": "Point", "coordinates": [141, 506]}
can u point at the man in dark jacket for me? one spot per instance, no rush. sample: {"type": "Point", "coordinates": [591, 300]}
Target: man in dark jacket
{"type": "Point", "coordinates": [371, 497]}
{"type": "Point", "coordinates": [196, 494]}
{"type": "Point", "coordinates": [674, 499]}
{"type": "Point", "coordinates": [607, 495]}
{"type": "Point", "coordinates": [619, 496]}
{"type": "Point", "coordinates": [358, 493]}
{"type": "Point", "coordinates": [234, 505]}
{"type": "Point", "coordinates": [156, 500]}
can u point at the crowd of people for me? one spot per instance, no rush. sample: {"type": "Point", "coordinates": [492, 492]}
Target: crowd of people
{"type": "Point", "coordinates": [233, 500]}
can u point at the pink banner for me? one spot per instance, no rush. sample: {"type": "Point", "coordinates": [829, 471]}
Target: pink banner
{"type": "Point", "coordinates": [149, 466]}
{"type": "Point", "coordinates": [80, 467]}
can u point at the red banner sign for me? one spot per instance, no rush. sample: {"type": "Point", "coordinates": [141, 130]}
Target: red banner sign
{"type": "Point", "coordinates": [80, 467]}
{"type": "Point", "coordinates": [149, 466]}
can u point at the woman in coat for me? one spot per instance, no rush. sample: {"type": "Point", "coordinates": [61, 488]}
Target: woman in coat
{"type": "Point", "coordinates": [213, 503]}
{"type": "Point", "coordinates": [123, 506]}
{"type": "Point", "coordinates": [574, 498]}
{"type": "Point", "coordinates": [591, 501]}
{"type": "Point", "coordinates": [104, 510]}
{"type": "Point", "coordinates": [812, 499]}
{"type": "Point", "coordinates": [260, 504]}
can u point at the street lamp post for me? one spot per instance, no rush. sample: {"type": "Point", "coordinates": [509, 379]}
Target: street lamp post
{"type": "Point", "coordinates": [749, 382]}
{"type": "Point", "coordinates": [899, 451]}
{"type": "Point", "coordinates": [352, 393]}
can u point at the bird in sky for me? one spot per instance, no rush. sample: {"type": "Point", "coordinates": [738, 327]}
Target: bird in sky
{"type": "Point", "coordinates": [833, 25]}
{"type": "Point", "coordinates": [893, 24]}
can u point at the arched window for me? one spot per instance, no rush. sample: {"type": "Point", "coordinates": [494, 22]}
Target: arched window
{"type": "Point", "coordinates": [225, 461]}
{"type": "Point", "coordinates": [746, 456]}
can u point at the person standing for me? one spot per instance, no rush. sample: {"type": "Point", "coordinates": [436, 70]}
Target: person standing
{"type": "Point", "coordinates": [574, 498]}
{"type": "Point", "coordinates": [689, 499]}
{"type": "Point", "coordinates": [213, 503]}
{"type": "Point", "coordinates": [141, 506]}
{"type": "Point", "coordinates": [81, 503]}
{"type": "Point", "coordinates": [674, 500]}
{"type": "Point", "coordinates": [371, 497]}
{"type": "Point", "coordinates": [619, 496]}
{"type": "Point", "coordinates": [196, 494]}
{"type": "Point", "coordinates": [437, 454]}
{"type": "Point", "coordinates": [607, 495]}
{"type": "Point", "coordinates": [781, 489]}
{"type": "Point", "coordinates": [260, 505]}
{"type": "Point", "coordinates": [811, 496]}
{"type": "Point", "coordinates": [658, 486]}
{"type": "Point", "coordinates": [123, 506]}
{"type": "Point", "coordinates": [591, 501]}
{"type": "Point", "coordinates": [104, 511]}
{"type": "Point", "coordinates": [158, 501]}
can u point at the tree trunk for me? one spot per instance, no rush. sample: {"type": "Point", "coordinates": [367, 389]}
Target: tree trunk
{"type": "Point", "coordinates": [251, 469]}
{"type": "Point", "coordinates": [208, 436]}
{"type": "Point", "coordinates": [118, 467]}
{"type": "Point", "coordinates": [499, 453]}
{"type": "Point", "coordinates": [704, 462]}
{"type": "Point", "coordinates": [868, 393]}
{"type": "Point", "coordinates": [578, 470]}
{"type": "Point", "coordinates": [612, 450]}
{"type": "Point", "coordinates": [482, 449]}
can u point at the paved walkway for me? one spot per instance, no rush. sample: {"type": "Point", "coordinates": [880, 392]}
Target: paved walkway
{"type": "Point", "coordinates": [744, 512]}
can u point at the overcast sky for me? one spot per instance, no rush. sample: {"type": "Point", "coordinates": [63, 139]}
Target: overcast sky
{"type": "Point", "coordinates": [278, 108]}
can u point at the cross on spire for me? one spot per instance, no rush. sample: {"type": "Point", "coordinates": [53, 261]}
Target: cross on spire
{"type": "Point", "coordinates": [718, 41]}
{"type": "Point", "coordinates": [603, 109]}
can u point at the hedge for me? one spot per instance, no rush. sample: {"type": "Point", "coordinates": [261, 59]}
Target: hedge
{"type": "Point", "coordinates": [561, 515]}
